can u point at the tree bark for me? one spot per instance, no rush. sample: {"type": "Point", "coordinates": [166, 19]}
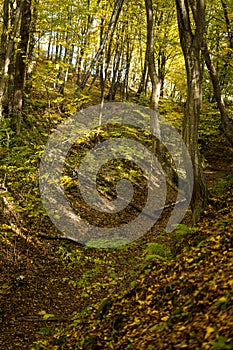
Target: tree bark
{"type": "Point", "coordinates": [226, 125]}
{"type": "Point", "coordinates": [31, 49]}
{"type": "Point", "coordinates": [5, 26]}
{"type": "Point", "coordinates": [228, 23]}
{"type": "Point", "coordinates": [142, 84]}
{"type": "Point", "coordinates": [156, 83]}
{"type": "Point", "coordinates": [8, 53]}
{"type": "Point", "coordinates": [20, 66]}
{"type": "Point", "coordinates": [117, 60]}
{"type": "Point", "coordinates": [191, 41]}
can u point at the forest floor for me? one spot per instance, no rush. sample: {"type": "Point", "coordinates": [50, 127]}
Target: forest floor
{"type": "Point", "coordinates": [161, 292]}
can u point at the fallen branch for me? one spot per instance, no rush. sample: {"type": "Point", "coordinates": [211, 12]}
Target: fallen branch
{"type": "Point", "coordinates": [41, 319]}
{"type": "Point", "coordinates": [58, 238]}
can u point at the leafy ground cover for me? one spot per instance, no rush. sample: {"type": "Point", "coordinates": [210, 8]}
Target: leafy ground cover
{"type": "Point", "coordinates": [184, 301]}
{"type": "Point", "coordinates": [160, 292]}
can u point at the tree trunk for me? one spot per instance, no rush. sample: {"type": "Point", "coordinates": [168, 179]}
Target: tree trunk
{"type": "Point", "coordinates": [31, 49]}
{"type": "Point", "coordinates": [156, 84]}
{"type": "Point", "coordinates": [116, 76]}
{"type": "Point", "coordinates": [162, 70]}
{"type": "Point", "coordinates": [228, 23]}
{"type": "Point", "coordinates": [49, 54]}
{"type": "Point", "coordinates": [191, 41]}
{"type": "Point", "coordinates": [56, 47]}
{"type": "Point", "coordinates": [104, 73]}
{"type": "Point", "coordinates": [157, 147]}
{"type": "Point", "coordinates": [9, 50]}
{"type": "Point", "coordinates": [115, 14]}
{"type": "Point", "coordinates": [64, 68]}
{"type": "Point", "coordinates": [226, 124]}
{"type": "Point", "coordinates": [5, 26]}
{"type": "Point", "coordinates": [117, 60]}
{"type": "Point", "coordinates": [129, 55]}
{"type": "Point", "coordinates": [142, 85]}
{"type": "Point", "coordinates": [20, 66]}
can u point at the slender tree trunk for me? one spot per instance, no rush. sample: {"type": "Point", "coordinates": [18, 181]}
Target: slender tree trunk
{"type": "Point", "coordinates": [114, 83]}
{"type": "Point", "coordinates": [129, 55]}
{"type": "Point", "coordinates": [142, 85]}
{"type": "Point", "coordinates": [71, 56]}
{"type": "Point", "coordinates": [104, 70]}
{"type": "Point", "coordinates": [226, 124]}
{"type": "Point", "coordinates": [9, 50]}
{"type": "Point", "coordinates": [155, 127]}
{"type": "Point", "coordinates": [114, 17]}
{"type": "Point", "coordinates": [191, 42]}
{"type": "Point", "coordinates": [156, 83]}
{"type": "Point", "coordinates": [56, 47]}
{"type": "Point", "coordinates": [49, 54]}
{"type": "Point", "coordinates": [116, 63]}
{"type": "Point", "coordinates": [64, 71]}
{"type": "Point", "coordinates": [228, 23]}
{"type": "Point", "coordinates": [5, 26]}
{"type": "Point", "coordinates": [60, 52]}
{"type": "Point", "coordinates": [144, 70]}
{"type": "Point", "coordinates": [85, 40]}
{"type": "Point", "coordinates": [31, 49]}
{"type": "Point", "coordinates": [79, 66]}
{"type": "Point", "coordinates": [162, 70]}
{"type": "Point", "coordinates": [20, 66]}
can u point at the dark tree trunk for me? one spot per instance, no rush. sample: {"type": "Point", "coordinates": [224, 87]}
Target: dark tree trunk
{"type": "Point", "coordinates": [20, 66]}
{"type": "Point", "coordinates": [108, 61]}
{"type": "Point", "coordinates": [226, 124]}
{"type": "Point", "coordinates": [5, 26]}
{"type": "Point", "coordinates": [116, 76]}
{"type": "Point", "coordinates": [156, 84]}
{"type": "Point", "coordinates": [162, 70]}
{"type": "Point", "coordinates": [56, 46]}
{"type": "Point", "coordinates": [191, 41]}
{"type": "Point", "coordinates": [142, 85]}
{"type": "Point", "coordinates": [114, 18]}
{"type": "Point", "coordinates": [31, 49]}
{"type": "Point", "coordinates": [228, 23]}
{"type": "Point", "coordinates": [129, 54]}
{"type": "Point", "coordinates": [157, 147]}
{"type": "Point", "coordinates": [49, 54]}
{"type": "Point", "coordinates": [15, 19]}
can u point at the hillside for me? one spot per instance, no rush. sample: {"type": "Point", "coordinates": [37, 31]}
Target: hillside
{"type": "Point", "coordinates": [159, 292]}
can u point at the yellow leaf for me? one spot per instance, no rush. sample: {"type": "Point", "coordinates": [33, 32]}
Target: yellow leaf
{"type": "Point", "coordinates": [209, 330]}
{"type": "Point", "coordinates": [185, 308]}
{"type": "Point", "coordinates": [223, 316]}
{"type": "Point", "coordinates": [42, 312]}
{"type": "Point", "coordinates": [165, 318]}
{"type": "Point", "coordinates": [222, 300]}
{"type": "Point", "coordinates": [47, 316]}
